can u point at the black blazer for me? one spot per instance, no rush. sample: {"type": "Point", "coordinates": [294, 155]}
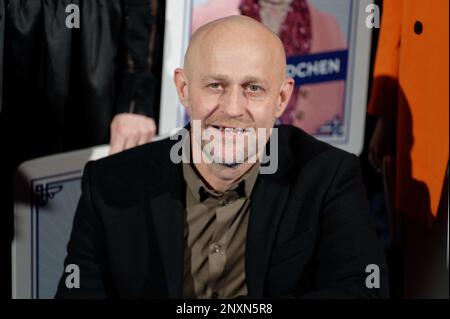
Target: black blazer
{"type": "Point", "coordinates": [309, 232]}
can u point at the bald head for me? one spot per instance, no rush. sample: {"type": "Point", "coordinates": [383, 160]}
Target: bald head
{"type": "Point", "coordinates": [230, 34]}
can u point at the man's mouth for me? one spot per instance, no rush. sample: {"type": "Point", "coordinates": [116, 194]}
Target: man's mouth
{"type": "Point", "coordinates": [229, 129]}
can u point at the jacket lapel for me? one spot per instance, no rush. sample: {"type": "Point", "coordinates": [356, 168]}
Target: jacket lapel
{"type": "Point", "coordinates": [167, 209]}
{"type": "Point", "coordinates": [267, 205]}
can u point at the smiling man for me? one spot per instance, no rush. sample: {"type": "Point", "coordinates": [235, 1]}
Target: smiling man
{"type": "Point", "coordinates": [148, 225]}
{"type": "Point", "coordinates": [234, 83]}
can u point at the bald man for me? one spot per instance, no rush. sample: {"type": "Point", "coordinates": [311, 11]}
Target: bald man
{"type": "Point", "coordinates": [230, 206]}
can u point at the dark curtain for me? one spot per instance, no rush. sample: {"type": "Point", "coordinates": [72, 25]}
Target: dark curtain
{"type": "Point", "coordinates": [61, 87]}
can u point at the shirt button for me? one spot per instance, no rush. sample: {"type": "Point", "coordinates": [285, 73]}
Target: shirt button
{"type": "Point", "coordinates": [216, 248]}
{"type": "Point", "coordinates": [223, 202]}
{"type": "Point", "coordinates": [418, 27]}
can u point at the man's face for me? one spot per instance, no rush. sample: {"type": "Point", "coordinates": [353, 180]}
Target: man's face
{"type": "Point", "coordinates": [234, 89]}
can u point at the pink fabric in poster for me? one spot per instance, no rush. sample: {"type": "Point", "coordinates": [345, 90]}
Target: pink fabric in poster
{"type": "Point", "coordinates": [306, 30]}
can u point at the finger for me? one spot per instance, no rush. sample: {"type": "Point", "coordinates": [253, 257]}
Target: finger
{"type": "Point", "coordinates": [117, 144]}
{"type": "Point", "coordinates": [113, 136]}
{"type": "Point", "coordinates": [145, 138]}
{"type": "Point", "coordinates": [152, 134]}
{"type": "Point", "coordinates": [148, 134]}
{"type": "Point", "coordinates": [131, 142]}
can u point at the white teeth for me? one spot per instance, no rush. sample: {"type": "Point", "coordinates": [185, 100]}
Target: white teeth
{"type": "Point", "coordinates": [237, 130]}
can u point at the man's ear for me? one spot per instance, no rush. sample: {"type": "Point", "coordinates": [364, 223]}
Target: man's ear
{"type": "Point", "coordinates": [181, 84]}
{"type": "Point", "coordinates": [285, 95]}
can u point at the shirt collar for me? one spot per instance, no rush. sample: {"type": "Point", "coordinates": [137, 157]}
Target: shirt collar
{"type": "Point", "coordinates": [243, 185]}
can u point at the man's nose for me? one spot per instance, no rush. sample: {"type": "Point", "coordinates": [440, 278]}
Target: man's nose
{"type": "Point", "coordinates": [234, 102]}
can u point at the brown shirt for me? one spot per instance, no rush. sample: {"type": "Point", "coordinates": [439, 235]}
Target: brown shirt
{"type": "Point", "coordinates": [215, 235]}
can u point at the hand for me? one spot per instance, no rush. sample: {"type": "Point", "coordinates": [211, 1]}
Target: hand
{"type": "Point", "coordinates": [381, 143]}
{"type": "Point", "coordinates": [130, 130]}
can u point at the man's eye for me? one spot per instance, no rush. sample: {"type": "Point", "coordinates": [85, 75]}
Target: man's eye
{"type": "Point", "coordinates": [215, 85]}
{"type": "Point", "coordinates": [254, 88]}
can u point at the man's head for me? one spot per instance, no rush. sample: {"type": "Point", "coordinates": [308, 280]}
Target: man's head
{"type": "Point", "coordinates": [234, 77]}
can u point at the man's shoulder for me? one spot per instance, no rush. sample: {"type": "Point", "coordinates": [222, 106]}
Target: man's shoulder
{"type": "Point", "coordinates": [315, 162]}
{"type": "Point", "coordinates": [132, 168]}
{"type": "Point", "coordinates": [304, 147]}
{"type": "Point", "coordinates": [151, 154]}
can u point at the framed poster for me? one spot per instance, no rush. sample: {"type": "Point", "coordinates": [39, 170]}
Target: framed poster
{"type": "Point", "coordinates": [328, 53]}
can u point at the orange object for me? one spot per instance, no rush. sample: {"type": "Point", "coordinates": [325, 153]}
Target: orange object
{"type": "Point", "coordinates": [411, 82]}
